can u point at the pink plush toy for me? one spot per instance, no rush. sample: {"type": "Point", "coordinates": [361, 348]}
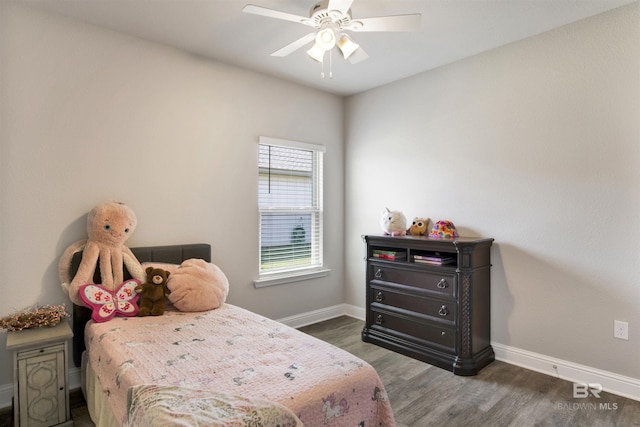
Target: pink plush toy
{"type": "Point", "coordinates": [105, 305]}
{"type": "Point", "coordinates": [109, 225]}
{"type": "Point", "coordinates": [197, 285]}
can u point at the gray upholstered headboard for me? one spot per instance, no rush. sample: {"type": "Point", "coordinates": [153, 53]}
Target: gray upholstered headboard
{"type": "Point", "coordinates": [173, 254]}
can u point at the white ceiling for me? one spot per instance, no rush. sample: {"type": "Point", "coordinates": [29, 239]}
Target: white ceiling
{"type": "Point", "coordinates": [218, 29]}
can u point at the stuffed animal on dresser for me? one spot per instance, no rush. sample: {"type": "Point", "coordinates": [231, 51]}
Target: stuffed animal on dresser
{"type": "Point", "coordinates": [393, 223]}
{"type": "Point", "coordinates": [153, 292]}
{"type": "Point", "coordinates": [418, 227]}
{"type": "Point", "coordinates": [444, 230]}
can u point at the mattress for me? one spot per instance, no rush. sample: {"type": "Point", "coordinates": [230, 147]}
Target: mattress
{"type": "Point", "coordinates": [228, 355]}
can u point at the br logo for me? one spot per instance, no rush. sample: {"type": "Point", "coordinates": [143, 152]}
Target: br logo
{"type": "Point", "coordinates": [582, 390]}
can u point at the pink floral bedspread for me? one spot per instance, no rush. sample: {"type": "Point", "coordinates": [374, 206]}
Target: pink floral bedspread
{"type": "Point", "coordinates": [234, 352]}
{"type": "Point", "coordinates": [167, 406]}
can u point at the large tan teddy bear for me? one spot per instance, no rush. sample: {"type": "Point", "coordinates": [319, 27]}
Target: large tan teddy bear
{"type": "Point", "coordinates": [109, 225]}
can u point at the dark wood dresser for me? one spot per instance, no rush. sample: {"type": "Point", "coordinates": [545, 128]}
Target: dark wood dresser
{"type": "Point", "coordinates": [430, 299]}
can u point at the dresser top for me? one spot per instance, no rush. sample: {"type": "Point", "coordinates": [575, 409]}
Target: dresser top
{"type": "Point", "coordinates": [38, 336]}
{"type": "Point", "coordinates": [409, 238]}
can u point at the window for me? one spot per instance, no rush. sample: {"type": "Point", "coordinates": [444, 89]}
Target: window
{"type": "Point", "coordinates": [290, 205]}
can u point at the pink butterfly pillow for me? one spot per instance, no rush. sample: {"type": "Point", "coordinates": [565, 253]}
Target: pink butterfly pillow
{"type": "Point", "coordinates": [106, 304]}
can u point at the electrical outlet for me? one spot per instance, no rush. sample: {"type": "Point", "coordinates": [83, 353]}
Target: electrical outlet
{"type": "Point", "coordinates": [620, 330]}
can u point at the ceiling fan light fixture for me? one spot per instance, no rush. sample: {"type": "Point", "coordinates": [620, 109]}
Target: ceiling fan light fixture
{"type": "Point", "coordinates": [316, 52]}
{"type": "Point", "coordinates": [326, 39]}
{"type": "Point", "coordinates": [347, 46]}
{"type": "Point", "coordinates": [329, 18]}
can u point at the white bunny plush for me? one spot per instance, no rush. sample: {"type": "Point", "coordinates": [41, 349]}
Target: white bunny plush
{"type": "Point", "coordinates": [393, 223]}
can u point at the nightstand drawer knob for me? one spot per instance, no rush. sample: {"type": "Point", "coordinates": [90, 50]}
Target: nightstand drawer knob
{"type": "Point", "coordinates": [379, 319]}
{"type": "Point", "coordinates": [443, 311]}
{"type": "Point", "coordinates": [379, 296]}
{"type": "Point", "coordinates": [378, 274]}
{"type": "Point", "coordinates": [442, 284]}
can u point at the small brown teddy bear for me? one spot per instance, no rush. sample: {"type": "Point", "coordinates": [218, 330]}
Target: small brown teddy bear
{"type": "Point", "coordinates": [153, 292]}
{"type": "Point", "coordinates": [418, 227]}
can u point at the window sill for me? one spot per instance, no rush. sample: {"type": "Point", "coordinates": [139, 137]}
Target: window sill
{"type": "Point", "coordinates": [289, 277]}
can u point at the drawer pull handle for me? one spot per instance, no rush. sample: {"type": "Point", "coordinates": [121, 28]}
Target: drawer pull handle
{"type": "Point", "coordinates": [379, 319]}
{"type": "Point", "coordinates": [442, 284]}
{"type": "Point", "coordinates": [379, 297]}
{"type": "Point", "coordinates": [443, 311]}
{"type": "Point", "coordinates": [378, 274]}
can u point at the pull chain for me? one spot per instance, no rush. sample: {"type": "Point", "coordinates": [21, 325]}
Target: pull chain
{"type": "Point", "coordinates": [330, 65]}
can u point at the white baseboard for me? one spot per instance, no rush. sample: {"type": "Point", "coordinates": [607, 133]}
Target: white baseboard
{"type": "Point", "coordinates": [74, 378]}
{"type": "Point", "coordinates": [355, 312]}
{"type": "Point", "coordinates": [6, 394]}
{"type": "Point", "coordinates": [611, 382]}
{"type": "Point", "coordinates": [315, 316]}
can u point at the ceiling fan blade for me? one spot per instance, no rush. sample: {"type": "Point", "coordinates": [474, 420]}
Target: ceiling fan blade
{"type": "Point", "coordinates": [295, 45]}
{"type": "Point", "coordinates": [270, 13]}
{"type": "Point", "coordinates": [341, 5]}
{"type": "Point", "coordinates": [358, 56]}
{"type": "Point", "coordinates": [387, 23]}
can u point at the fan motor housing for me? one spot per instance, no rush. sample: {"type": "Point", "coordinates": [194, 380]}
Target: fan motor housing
{"type": "Point", "coordinates": [321, 15]}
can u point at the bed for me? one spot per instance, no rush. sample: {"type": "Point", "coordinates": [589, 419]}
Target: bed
{"type": "Point", "coordinates": [226, 366]}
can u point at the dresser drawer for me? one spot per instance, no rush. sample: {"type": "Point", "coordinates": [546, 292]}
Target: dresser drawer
{"type": "Point", "coordinates": [414, 330]}
{"type": "Point", "coordinates": [426, 280]}
{"type": "Point", "coordinates": [423, 305]}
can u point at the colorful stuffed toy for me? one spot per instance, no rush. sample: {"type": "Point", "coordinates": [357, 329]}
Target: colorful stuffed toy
{"type": "Point", "coordinates": [109, 225]}
{"type": "Point", "coordinates": [393, 223]}
{"type": "Point", "coordinates": [418, 227]}
{"type": "Point", "coordinates": [443, 230]}
{"type": "Point", "coordinates": [153, 292]}
{"type": "Point", "coordinates": [106, 304]}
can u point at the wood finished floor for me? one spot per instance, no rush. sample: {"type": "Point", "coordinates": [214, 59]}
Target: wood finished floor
{"type": "Point", "coordinates": [501, 395]}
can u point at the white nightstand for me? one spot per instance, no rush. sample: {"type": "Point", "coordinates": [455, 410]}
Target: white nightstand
{"type": "Point", "coordinates": [40, 393]}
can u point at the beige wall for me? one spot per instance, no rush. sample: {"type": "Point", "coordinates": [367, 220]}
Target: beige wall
{"type": "Point", "coordinates": [535, 144]}
{"type": "Point", "coordinates": [88, 115]}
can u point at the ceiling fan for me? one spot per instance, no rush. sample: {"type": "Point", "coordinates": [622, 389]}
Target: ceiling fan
{"type": "Point", "coordinates": [331, 18]}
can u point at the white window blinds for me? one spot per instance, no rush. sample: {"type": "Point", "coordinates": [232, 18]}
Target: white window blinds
{"type": "Point", "coordinates": [290, 204]}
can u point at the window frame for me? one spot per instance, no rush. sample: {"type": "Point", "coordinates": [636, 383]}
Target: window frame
{"type": "Point", "coordinates": [266, 278]}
